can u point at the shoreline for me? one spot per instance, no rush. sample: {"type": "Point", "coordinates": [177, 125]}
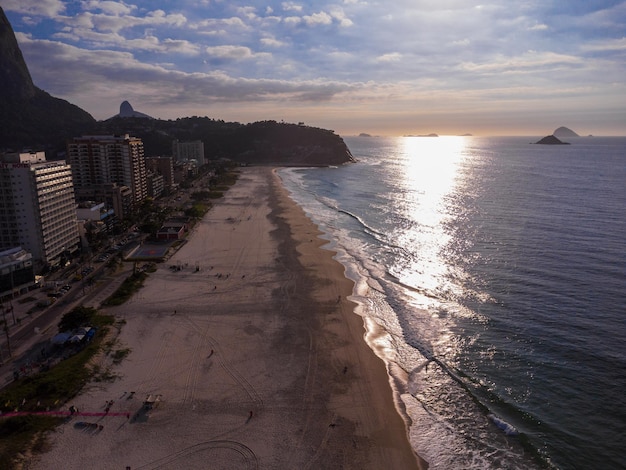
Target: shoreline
{"type": "Point", "coordinates": [254, 350]}
{"type": "Point", "coordinates": [382, 393]}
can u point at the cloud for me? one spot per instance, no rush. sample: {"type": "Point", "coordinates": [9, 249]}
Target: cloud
{"type": "Point", "coordinates": [148, 42]}
{"type": "Point", "coordinates": [340, 15]}
{"type": "Point", "coordinates": [77, 74]}
{"type": "Point", "coordinates": [109, 7]}
{"type": "Point", "coordinates": [530, 61]}
{"type": "Point", "coordinates": [292, 20]}
{"type": "Point", "coordinates": [607, 45]}
{"type": "Point", "coordinates": [247, 12]}
{"type": "Point", "coordinates": [321, 18]}
{"type": "Point", "coordinates": [180, 46]}
{"type": "Point", "coordinates": [272, 42]}
{"type": "Point", "coordinates": [390, 57]}
{"type": "Point", "coordinates": [461, 42]}
{"type": "Point", "coordinates": [107, 23]}
{"type": "Point", "coordinates": [291, 6]}
{"type": "Point", "coordinates": [230, 52]}
{"type": "Point", "coordinates": [211, 25]}
{"type": "Point", "coordinates": [46, 8]}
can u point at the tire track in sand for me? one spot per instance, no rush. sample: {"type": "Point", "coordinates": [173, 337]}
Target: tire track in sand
{"type": "Point", "coordinates": [238, 377]}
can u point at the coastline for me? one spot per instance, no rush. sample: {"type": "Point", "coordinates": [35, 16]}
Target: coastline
{"type": "Point", "coordinates": [254, 351]}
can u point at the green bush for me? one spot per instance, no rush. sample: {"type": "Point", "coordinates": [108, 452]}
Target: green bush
{"type": "Point", "coordinates": [132, 284]}
{"type": "Point", "coordinates": [79, 316]}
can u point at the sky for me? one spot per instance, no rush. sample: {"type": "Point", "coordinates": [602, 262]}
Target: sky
{"type": "Point", "coordinates": [383, 67]}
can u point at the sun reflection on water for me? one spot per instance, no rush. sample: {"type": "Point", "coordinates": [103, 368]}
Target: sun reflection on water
{"type": "Point", "coordinates": [429, 171]}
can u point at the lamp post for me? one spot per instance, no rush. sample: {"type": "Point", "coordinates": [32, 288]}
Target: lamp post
{"type": "Point", "coordinates": [11, 271]}
{"type": "Point", "coordinates": [6, 332]}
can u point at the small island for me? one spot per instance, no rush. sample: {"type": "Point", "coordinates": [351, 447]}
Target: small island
{"type": "Point", "coordinates": [551, 140]}
{"type": "Point", "coordinates": [564, 132]}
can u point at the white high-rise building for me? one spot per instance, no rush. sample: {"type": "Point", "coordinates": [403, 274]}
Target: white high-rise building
{"type": "Point", "coordinates": [98, 160]}
{"type": "Point", "coordinates": [37, 207]}
{"type": "Point", "coordinates": [186, 151]}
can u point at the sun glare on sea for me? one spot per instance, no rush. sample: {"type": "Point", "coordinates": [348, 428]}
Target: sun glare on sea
{"type": "Point", "coordinates": [429, 174]}
{"type": "Point", "coordinates": [430, 166]}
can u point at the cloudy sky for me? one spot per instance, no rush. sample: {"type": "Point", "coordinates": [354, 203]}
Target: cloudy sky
{"type": "Point", "coordinates": [387, 67]}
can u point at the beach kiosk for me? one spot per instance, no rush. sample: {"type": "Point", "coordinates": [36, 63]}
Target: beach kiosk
{"type": "Point", "coordinates": [151, 402]}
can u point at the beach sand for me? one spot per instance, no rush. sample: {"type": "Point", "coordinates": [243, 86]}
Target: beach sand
{"type": "Point", "coordinates": [253, 350]}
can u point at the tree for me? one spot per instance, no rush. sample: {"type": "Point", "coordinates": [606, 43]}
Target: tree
{"type": "Point", "coordinates": [79, 316]}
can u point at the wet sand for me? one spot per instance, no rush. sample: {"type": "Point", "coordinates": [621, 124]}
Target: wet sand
{"type": "Point", "coordinates": [254, 353]}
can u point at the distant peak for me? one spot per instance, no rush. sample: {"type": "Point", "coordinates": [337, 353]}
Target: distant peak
{"type": "Point", "coordinates": [564, 132]}
{"type": "Point", "coordinates": [127, 111]}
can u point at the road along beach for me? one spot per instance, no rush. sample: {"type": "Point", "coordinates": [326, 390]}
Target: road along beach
{"type": "Point", "coordinates": [249, 356]}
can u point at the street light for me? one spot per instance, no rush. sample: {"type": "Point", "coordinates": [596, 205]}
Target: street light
{"type": "Point", "coordinates": [6, 332]}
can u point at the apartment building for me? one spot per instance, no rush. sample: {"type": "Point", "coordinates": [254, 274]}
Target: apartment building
{"type": "Point", "coordinates": [188, 151]}
{"type": "Point", "coordinates": [163, 166]}
{"type": "Point", "coordinates": [98, 160]}
{"type": "Point", "coordinates": [37, 207]}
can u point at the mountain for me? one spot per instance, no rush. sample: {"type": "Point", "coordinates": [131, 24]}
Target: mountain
{"type": "Point", "coordinates": [127, 111]}
{"type": "Point", "coordinates": [30, 117]}
{"type": "Point", "coordinates": [564, 132]}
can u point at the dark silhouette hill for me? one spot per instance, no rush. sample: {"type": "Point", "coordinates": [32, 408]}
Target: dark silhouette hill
{"type": "Point", "coordinates": [551, 140]}
{"type": "Point", "coordinates": [263, 142]}
{"type": "Point", "coordinates": [30, 117]}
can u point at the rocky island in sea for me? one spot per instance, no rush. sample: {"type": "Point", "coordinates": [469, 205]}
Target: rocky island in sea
{"type": "Point", "coordinates": [551, 140]}
{"type": "Point", "coordinates": [564, 132]}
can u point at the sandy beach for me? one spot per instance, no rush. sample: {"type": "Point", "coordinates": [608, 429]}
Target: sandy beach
{"type": "Point", "coordinates": [252, 350]}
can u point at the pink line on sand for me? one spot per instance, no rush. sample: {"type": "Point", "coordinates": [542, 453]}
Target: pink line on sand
{"type": "Point", "coordinates": [62, 413]}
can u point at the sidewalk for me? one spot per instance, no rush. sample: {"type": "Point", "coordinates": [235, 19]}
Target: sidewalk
{"type": "Point", "coordinates": [34, 331]}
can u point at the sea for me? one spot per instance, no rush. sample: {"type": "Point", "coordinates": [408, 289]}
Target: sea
{"type": "Point", "coordinates": [491, 276]}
